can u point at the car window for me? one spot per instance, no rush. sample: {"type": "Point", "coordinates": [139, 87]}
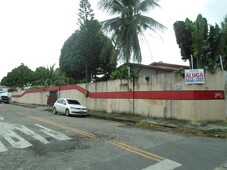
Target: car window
{"type": "Point", "coordinates": [73, 102]}
{"type": "Point", "coordinates": [59, 101]}
{"type": "Point", "coordinates": [63, 102]}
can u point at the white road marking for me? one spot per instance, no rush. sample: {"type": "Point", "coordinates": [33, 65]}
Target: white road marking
{"type": "Point", "coordinates": [10, 136]}
{"type": "Point", "coordinates": [31, 133]}
{"type": "Point", "coordinates": [2, 118]}
{"type": "Point", "coordinates": [164, 165]}
{"type": "Point", "coordinates": [2, 147]}
{"type": "Point", "coordinates": [54, 134]}
{"type": "Point", "coordinates": [7, 131]}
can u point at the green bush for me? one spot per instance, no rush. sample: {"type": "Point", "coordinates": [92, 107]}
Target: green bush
{"type": "Point", "coordinates": [122, 73]}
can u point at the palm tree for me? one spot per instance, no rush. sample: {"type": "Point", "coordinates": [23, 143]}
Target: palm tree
{"type": "Point", "coordinates": [224, 33]}
{"type": "Point", "coordinates": [49, 76]}
{"type": "Point", "coordinates": [129, 24]}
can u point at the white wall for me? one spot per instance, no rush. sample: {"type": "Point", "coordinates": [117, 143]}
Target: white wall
{"type": "Point", "coordinates": [194, 110]}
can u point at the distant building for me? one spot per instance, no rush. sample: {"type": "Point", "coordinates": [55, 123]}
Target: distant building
{"type": "Point", "coordinates": [155, 68]}
{"type": "Point", "coordinates": [168, 67]}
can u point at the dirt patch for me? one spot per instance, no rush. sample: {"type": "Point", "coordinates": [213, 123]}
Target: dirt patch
{"type": "Point", "coordinates": [189, 129]}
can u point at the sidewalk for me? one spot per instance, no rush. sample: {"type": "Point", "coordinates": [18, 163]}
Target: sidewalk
{"type": "Point", "coordinates": [212, 129]}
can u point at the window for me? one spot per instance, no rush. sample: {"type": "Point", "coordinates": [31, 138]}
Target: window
{"type": "Point", "coordinates": [73, 102]}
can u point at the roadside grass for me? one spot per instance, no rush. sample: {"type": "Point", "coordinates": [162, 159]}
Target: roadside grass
{"type": "Point", "coordinates": [188, 130]}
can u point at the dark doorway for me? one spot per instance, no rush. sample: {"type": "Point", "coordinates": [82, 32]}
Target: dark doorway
{"type": "Point", "coordinates": [54, 97]}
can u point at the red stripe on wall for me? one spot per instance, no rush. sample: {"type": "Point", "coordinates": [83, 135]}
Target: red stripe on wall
{"type": "Point", "coordinates": [111, 95]}
{"type": "Point", "coordinates": [71, 87]}
{"type": "Point", "coordinates": [159, 95]}
{"type": "Point", "coordinates": [162, 95]}
{"type": "Point", "coordinates": [44, 90]}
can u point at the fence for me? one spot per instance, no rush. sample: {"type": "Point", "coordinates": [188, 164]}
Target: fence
{"type": "Point", "coordinates": [159, 95]}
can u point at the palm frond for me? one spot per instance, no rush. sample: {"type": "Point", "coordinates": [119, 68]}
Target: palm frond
{"type": "Point", "coordinates": [146, 5]}
{"type": "Point", "coordinates": [111, 6]}
{"type": "Point", "coordinates": [126, 28]}
{"type": "Point", "coordinates": [148, 23]}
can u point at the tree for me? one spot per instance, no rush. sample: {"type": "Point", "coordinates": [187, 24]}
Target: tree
{"type": "Point", "coordinates": [85, 12]}
{"type": "Point", "coordinates": [213, 48]}
{"type": "Point", "coordinates": [128, 25]}
{"type": "Point", "coordinates": [190, 37]}
{"type": "Point", "coordinates": [224, 35]}
{"type": "Point", "coordinates": [91, 42]}
{"type": "Point", "coordinates": [200, 34]}
{"type": "Point", "coordinates": [184, 39]}
{"type": "Point", "coordinates": [18, 77]}
{"type": "Point", "coordinates": [69, 61]}
{"type": "Point", "coordinates": [40, 75]}
{"type": "Point", "coordinates": [200, 41]}
{"type": "Point", "coordinates": [50, 76]}
{"type": "Point", "coordinates": [61, 78]}
{"type": "Point", "coordinates": [81, 53]}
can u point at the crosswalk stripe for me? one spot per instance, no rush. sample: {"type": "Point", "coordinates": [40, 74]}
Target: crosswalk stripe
{"type": "Point", "coordinates": [15, 140]}
{"type": "Point", "coordinates": [2, 147]}
{"type": "Point", "coordinates": [31, 133]}
{"type": "Point", "coordinates": [54, 134]}
{"type": "Point", "coordinates": [164, 165]}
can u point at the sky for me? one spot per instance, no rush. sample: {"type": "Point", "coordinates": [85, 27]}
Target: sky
{"type": "Point", "coordinates": [33, 32]}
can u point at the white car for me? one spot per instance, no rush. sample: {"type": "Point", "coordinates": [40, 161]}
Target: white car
{"type": "Point", "coordinates": [69, 107]}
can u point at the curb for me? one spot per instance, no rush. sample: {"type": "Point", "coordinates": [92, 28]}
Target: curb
{"type": "Point", "coordinates": [217, 133]}
{"type": "Point", "coordinates": [117, 119]}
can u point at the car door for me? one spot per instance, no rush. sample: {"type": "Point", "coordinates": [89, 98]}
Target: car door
{"type": "Point", "coordinates": [63, 105]}
{"type": "Point", "coordinates": [59, 105]}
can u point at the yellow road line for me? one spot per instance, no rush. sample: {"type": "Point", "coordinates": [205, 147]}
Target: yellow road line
{"type": "Point", "coordinates": [64, 127]}
{"type": "Point", "coordinates": [136, 150]}
{"type": "Point", "coordinates": [121, 145]}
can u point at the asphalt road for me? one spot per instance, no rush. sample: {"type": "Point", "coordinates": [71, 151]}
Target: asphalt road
{"type": "Point", "coordinates": [32, 138]}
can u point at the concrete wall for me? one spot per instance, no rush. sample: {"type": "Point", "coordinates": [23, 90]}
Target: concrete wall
{"type": "Point", "coordinates": [163, 95]}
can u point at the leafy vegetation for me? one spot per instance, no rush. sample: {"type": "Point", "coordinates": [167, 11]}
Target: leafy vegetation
{"type": "Point", "coordinates": [128, 24]}
{"type": "Point", "coordinates": [123, 73]}
{"type": "Point", "coordinates": [22, 77]}
{"type": "Point", "coordinates": [82, 55]}
{"type": "Point", "coordinates": [202, 42]}
{"type": "Point", "coordinates": [224, 33]}
{"type": "Point", "coordinates": [18, 77]}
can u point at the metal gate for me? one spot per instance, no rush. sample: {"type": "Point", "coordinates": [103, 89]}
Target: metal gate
{"type": "Point", "coordinates": [54, 97]}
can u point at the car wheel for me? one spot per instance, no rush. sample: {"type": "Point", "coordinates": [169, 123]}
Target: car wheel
{"type": "Point", "coordinates": [54, 110]}
{"type": "Point", "coordinates": [67, 112]}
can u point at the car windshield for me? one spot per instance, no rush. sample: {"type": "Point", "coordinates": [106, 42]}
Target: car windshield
{"type": "Point", "coordinates": [73, 102]}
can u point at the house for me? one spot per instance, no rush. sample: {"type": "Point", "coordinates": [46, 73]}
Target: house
{"type": "Point", "coordinates": [155, 68]}
{"type": "Point", "coordinates": [168, 67]}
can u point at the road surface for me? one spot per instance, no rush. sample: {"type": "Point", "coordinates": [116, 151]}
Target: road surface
{"type": "Point", "coordinates": [32, 138]}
